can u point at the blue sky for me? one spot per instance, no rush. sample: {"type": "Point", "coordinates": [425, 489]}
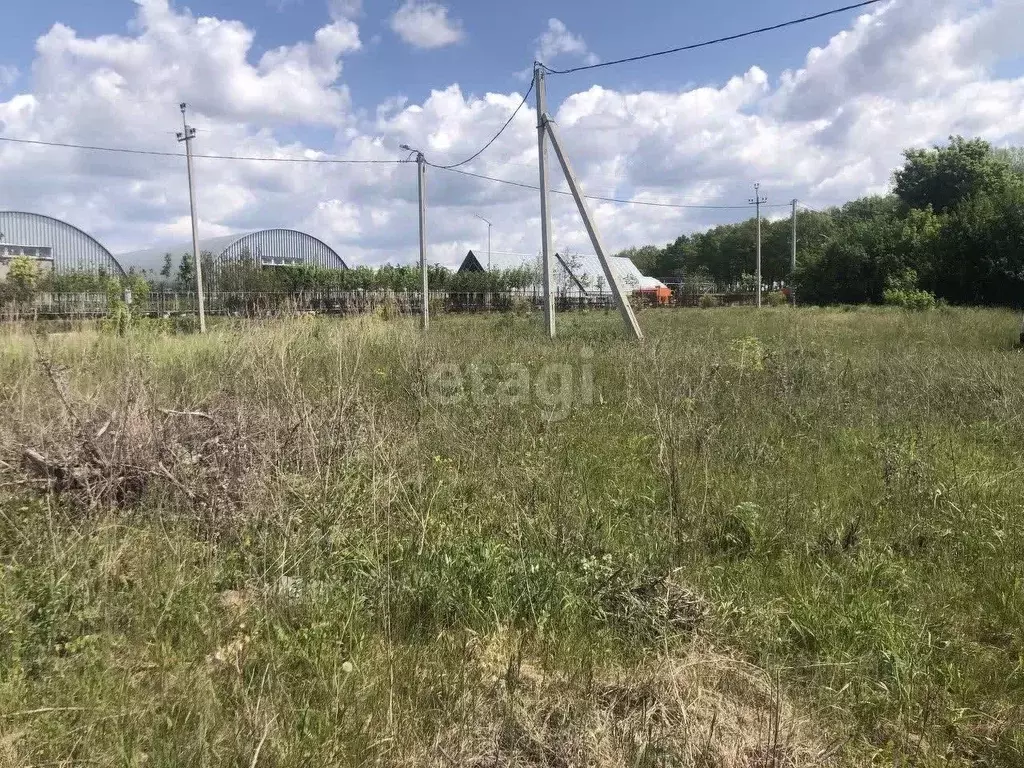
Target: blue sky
{"type": "Point", "coordinates": [820, 112]}
{"type": "Point", "coordinates": [500, 39]}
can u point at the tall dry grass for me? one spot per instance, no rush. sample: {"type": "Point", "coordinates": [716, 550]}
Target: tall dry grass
{"type": "Point", "coordinates": [768, 539]}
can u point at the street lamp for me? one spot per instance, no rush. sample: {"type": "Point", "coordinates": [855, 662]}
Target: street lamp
{"type": "Point", "coordinates": [485, 221]}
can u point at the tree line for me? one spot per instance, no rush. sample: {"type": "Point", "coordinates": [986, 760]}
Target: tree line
{"type": "Point", "coordinates": [247, 276]}
{"type": "Point", "coordinates": [25, 279]}
{"type": "Point", "coordinates": [952, 227]}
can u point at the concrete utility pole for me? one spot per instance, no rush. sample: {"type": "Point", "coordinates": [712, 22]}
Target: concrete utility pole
{"type": "Point", "coordinates": [421, 176]}
{"type": "Point", "coordinates": [545, 208]}
{"type": "Point", "coordinates": [792, 259]}
{"type": "Point", "coordinates": [621, 297]}
{"type": "Point", "coordinates": [758, 201]}
{"type": "Point", "coordinates": [485, 221]}
{"type": "Point", "coordinates": [197, 259]}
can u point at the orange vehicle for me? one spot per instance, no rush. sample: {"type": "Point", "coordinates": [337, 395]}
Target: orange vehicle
{"type": "Point", "coordinates": [658, 297]}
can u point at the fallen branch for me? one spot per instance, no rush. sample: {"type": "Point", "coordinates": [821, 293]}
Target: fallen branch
{"type": "Point", "coordinates": [187, 414]}
{"type": "Point", "coordinates": [259, 747]}
{"type": "Point", "coordinates": [102, 430]}
{"type": "Point", "coordinates": [30, 481]}
{"type": "Point", "coordinates": [40, 462]}
{"type": "Point", "coordinates": [43, 711]}
{"type": "Point", "coordinates": [166, 475]}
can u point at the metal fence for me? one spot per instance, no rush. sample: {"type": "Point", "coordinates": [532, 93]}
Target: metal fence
{"type": "Point", "coordinates": [334, 302]}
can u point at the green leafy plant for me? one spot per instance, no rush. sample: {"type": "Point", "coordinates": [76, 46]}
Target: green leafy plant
{"type": "Point", "coordinates": [914, 300]}
{"type": "Point", "coordinates": [901, 291]}
{"type": "Point", "coordinates": [22, 277]}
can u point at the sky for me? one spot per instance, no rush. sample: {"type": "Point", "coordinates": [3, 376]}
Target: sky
{"type": "Point", "coordinates": [819, 112]}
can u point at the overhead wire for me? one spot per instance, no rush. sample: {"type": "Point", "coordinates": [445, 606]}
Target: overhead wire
{"type": "Point", "coordinates": [603, 199]}
{"type": "Point", "coordinates": [158, 153]}
{"type": "Point", "coordinates": [451, 169]}
{"type": "Point", "coordinates": [716, 41]}
{"type": "Point", "coordinates": [494, 138]}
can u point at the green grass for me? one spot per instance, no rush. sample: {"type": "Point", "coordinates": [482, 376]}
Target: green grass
{"type": "Point", "coordinates": [773, 538]}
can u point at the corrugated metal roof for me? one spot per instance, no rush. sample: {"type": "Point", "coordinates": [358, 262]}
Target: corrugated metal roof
{"type": "Point", "coordinates": [271, 246]}
{"type": "Point", "coordinates": [586, 270]}
{"type": "Point", "coordinates": [152, 259]}
{"type": "Point", "coordinates": [73, 250]}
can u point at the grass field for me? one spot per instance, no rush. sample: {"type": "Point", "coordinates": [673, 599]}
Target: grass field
{"type": "Point", "coordinates": [775, 538]}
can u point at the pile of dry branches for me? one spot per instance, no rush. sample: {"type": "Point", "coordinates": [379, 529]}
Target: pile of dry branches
{"type": "Point", "coordinates": [199, 460]}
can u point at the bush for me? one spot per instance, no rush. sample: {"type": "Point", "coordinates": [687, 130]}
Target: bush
{"type": "Point", "coordinates": [521, 306]}
{"type": "Point", "coordinates": [118, 320]}
{"type": "Point", "coordinates": [911, 299]}
{"type": "Point", "coordinates": [777, 299]}
{"type": "Point", "coordinates": [707, 301]}
{"type": "Point", "coordinates": [388, 309]}
{"type": "Point", "coordinates": [184, 325]}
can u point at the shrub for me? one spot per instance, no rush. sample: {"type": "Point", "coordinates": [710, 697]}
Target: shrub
{"type": "Point", "coordinates": [521, 306]}
{"type": "Point", "coordinates": [777, 299]}
{"type": "Point", "coordinates": [707, 301]}
{"type": "Point", "coordinates": [185, 324]}
{"type": "Point", "coordinates": [912, 299]}
{"type": "Point", "coordinates": [118, 320]}
{"type": "Point", "coordinates": [388, 309]}
{"type": "Point", "coordinates": [436, 306]}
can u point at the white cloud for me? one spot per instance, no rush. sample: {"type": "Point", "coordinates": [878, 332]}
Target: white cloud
{"type": "Point", "coordinates": [426, 25]}
{"type": "Point", "coordinates": [8, 76]}
{"type": "Point", "coordinates": [826, 132]}
{"type": "Point", "coordinates": [344, 9]}
{"type": "Point", "coordinates": [557, 40]}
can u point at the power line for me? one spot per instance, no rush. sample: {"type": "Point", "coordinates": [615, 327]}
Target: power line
{"type": "Point", "coordinates": [600, 198]}
{"type": "Point", "coordinates": [494, 138]}
{"type": "Point", "coordinates": [716, 41]}
{"type": "Point", "coordinates": [452, 169]}
{"type": "Point", "coordinates": [157, 153]}
{"type": "Point", "coordinates": [672, 205]}
{"type": "Point", "coordinates": [485, 178]}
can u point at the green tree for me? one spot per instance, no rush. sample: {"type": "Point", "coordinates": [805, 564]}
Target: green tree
{"type": "Point", "coordinates": [165, 271]}
{"type": "Point", "coordinates": [186, 273]}
{"type": "Point", "coordinates": [1013, 157]}
{"type": "Point", "coordinates": [838, 277]}
{"type": "Point", "coordinates": [944, 177]}
{"type": "Point", "coordinates": [646, 258]}
{"type": "Point", "coordinates": [980, 253]}
{"type": "Point", "coordinates": [22, 276]}
{"type": "Point", "coordinates": [675, 260]}
{"type": "Point", "coordinates": [138, 285]}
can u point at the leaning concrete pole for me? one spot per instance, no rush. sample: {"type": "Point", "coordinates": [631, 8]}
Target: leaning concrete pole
{"type": "Point", "coordinates": [545, 203]}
